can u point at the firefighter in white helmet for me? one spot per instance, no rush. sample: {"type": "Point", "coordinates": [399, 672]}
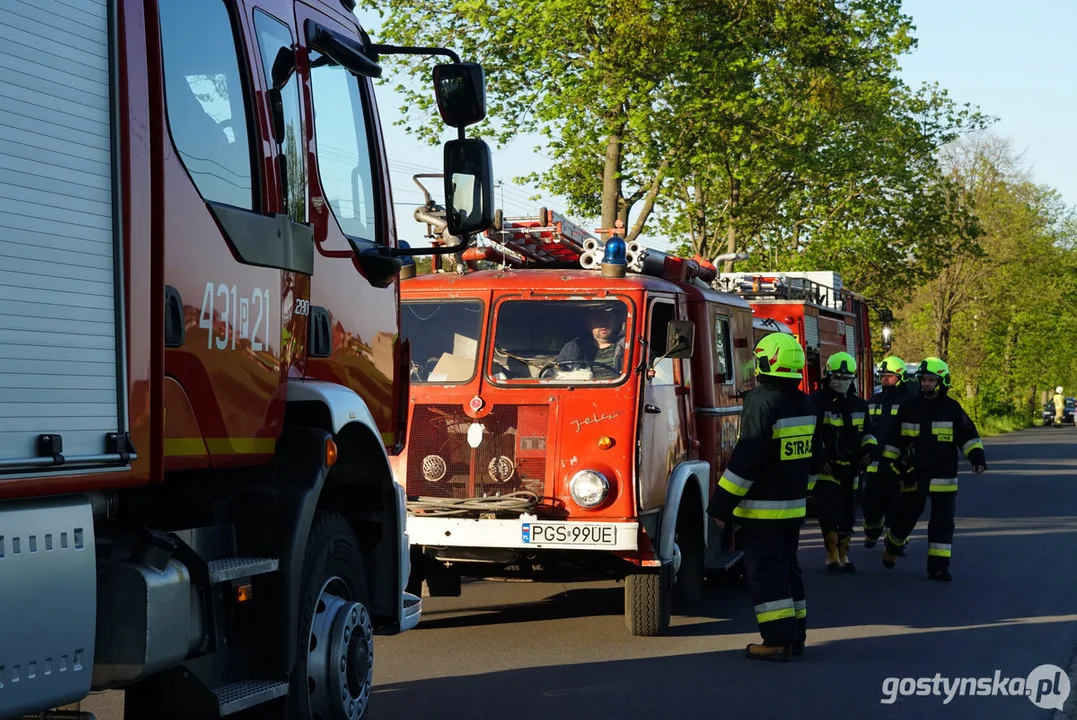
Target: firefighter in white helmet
{"type": "Point", "coordinates": [1060, 405]}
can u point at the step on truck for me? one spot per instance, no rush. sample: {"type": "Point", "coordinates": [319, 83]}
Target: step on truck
{"type": "Point", "coordinates": [573, 404]}
{"type": "Point", "coordinates": [201, 373]}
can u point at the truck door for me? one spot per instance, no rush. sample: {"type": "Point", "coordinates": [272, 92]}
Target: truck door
{"type": "Point", "coordinates": [662, 425]}
{"type": "Point", "coordinates": [230, 248]}
{"type": "Point", "coordinates": [351, 209]}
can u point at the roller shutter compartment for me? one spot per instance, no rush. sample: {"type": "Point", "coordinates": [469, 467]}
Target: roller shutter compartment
{"type": "Point", "coordinates": [61, 372]}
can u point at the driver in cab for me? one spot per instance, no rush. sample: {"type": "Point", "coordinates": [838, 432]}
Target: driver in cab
{"type": "Point", "coordinates": [603, 350]}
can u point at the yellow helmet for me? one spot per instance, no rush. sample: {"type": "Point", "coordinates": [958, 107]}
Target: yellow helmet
{"type": "Point", "coordinates": [841, 362]}
{"type": "Point", "coordinates": [779, 355]}
{"type": "Point", "coordinates": [935, 367]}
{"type": "Point", "coordinates": [894, 365]}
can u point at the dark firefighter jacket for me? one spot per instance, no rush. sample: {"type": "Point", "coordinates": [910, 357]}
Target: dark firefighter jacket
{"type": "Point", "coordinates": [846, 431]}
{"type": "Point", "coordinates": [883, 409]}
{"type": "Point", "coordinates": [766, 479]}
{"type": "Point", "coordinates": [937, 431]}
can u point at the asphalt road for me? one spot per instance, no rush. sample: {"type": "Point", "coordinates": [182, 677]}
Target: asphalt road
{"type": "Point", "coordinates": [519, 650]}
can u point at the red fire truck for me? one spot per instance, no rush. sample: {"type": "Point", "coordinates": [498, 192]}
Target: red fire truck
{"type": "Point", "coordinates": [532, 457]}
{"type": "Point", "coordinates": [201, 377]}
{"type": "Point", "coordinates": [825, 317]}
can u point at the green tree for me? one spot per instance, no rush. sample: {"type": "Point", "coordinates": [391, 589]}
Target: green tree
{"type": "Point", "coordinates": [712, 112]}
{"type": "Point", "coordinates": [995, 312]}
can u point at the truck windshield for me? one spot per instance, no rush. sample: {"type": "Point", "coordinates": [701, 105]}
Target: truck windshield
{"type": "Point", "coordinates": [444, 339]}
{"type": "Point", "coordinates": [561, 341]}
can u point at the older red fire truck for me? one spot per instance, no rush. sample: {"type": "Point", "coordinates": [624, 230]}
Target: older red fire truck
{"type": "Point", "coordinates": [201, 377]}
{"type": "Point", "coordinates": [571, 409]}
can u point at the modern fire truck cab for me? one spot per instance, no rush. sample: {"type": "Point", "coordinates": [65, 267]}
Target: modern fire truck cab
{"type": "Point", "coordinates": [570, 423]}
{"type": "Point", "coordinates": [825, 317]}
{"type": "Point", "coordinates": [201, 374]}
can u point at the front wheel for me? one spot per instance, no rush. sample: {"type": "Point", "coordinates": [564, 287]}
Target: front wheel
{"type": "Point", "coordinates": [648, 601]}
{"type": "Point", "coordinates": [335, 668]}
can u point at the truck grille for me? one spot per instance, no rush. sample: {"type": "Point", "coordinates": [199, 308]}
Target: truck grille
{"type": "Point", "coordinates": [510, 458]}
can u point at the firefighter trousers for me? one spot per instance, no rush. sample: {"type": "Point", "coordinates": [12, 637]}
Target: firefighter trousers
{"type": "Point", "coordinates": [835, 504]}
{"type": "Point", "coordinates": [940, 526]}
{"type": "Point", "coordinates": [772, 571]}
{"type": "Point", "coordinates": [882, 498]}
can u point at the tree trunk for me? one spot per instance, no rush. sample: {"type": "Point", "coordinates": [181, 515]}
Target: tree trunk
{"type": "Point", "coordinates": [731, 233]}
{"type": "Point", "coordinates": [611, 181]}
{"type": "Point", "coordinates": [699, 224]}
{"type": "Point", "coordinates": [1008, 390]}
{"type": "Point", "coordinates": [943, 318]}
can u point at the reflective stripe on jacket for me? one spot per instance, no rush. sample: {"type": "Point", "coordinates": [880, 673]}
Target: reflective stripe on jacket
{"type": "Point", "coordinates": [766, 479]}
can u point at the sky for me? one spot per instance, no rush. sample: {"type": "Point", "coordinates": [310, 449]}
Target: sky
{"type": "Point", "coordinates": [1014, 60]}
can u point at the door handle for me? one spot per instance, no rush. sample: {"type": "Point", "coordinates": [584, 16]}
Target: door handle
{"type": "Point", "coordinates": [653, 409]}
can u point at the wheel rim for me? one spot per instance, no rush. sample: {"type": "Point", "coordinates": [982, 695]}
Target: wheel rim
{"type": "Point", "coordinates": [340, 655]}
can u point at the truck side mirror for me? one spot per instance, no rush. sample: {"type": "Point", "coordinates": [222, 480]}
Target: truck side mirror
{"type": "Point", "coordinates": [469, 187]}
{"type": "Point", "coordinates": [460, 89]}
{"type": "Point", "coordinates": [680, 339]}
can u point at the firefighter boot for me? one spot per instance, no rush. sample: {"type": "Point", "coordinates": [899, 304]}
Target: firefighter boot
{"type": "Point", "coordinates": [774, 653]}
{"type": "Point", "coordinates": [891, 553]}
{"type": "Point", "coordinates": [843, 555]}
{"type": "Point", "coordinates": [831, 539]}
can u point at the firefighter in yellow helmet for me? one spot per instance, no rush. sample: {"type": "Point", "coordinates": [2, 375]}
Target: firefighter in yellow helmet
{"type": "Point", "coordinates": [763, 489]}
{"type": "Point", "coordinates": [848, 447]}
{"type": "Point", "coordinates": [882, 486]}
{"type": "Point", "coordinates": [932, 429]}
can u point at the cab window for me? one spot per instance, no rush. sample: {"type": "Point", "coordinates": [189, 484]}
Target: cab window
{"type": "Point", "coordinates": [723, 350]}
{"type": "Point", "coordinates": [444, 339]}
{"type": "Point", "coordinates": [206, 101]}
{"type": "Point", "coordinates": [573, 342]}
{"type": "Point", "coordinates": [345, 159]}
{"type": "Point", "coordinates": [275, 41]}
{"type": "Point", "coordinates": [661, 316]}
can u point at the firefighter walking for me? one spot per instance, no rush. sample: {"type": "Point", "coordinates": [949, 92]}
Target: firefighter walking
{"type": "Point", "coordinates": [848, 446]}
{"type": "Point", "coordinates": [764, 490]}
{"type": "Point", "coordinates": [882, 484]}
{"type": "Point", "coordinates": [931, 429]}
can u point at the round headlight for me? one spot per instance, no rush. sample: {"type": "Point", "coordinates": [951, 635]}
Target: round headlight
{"type": "Point", "coordinates": [589, 488]}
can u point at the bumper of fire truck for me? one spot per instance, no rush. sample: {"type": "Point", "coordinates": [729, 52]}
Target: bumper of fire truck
{"type": "Point", "coordinates": [526, 532]}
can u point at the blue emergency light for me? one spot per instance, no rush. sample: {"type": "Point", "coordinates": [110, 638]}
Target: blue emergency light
{"type": "Point", "coordinates": [614, 263]}
{"type": "Point", "coordinates": [407, 259]}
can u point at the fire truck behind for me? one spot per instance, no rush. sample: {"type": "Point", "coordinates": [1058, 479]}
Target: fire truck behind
{"type": "Point", "coordinates": [824, 317]}
{"type": "Point", "coordinates": [201, 378]}
{"type": "Point", "coordinates": [571, 408]}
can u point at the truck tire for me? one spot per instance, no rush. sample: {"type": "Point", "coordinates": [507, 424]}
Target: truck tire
{"type": "Point", "coordinates": [648, 601]}
{"type": "Point", "coordinates": [335, 664]}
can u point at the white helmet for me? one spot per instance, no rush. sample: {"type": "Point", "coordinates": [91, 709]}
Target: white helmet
{"type": "Point", "coordinates": [1058, 389]}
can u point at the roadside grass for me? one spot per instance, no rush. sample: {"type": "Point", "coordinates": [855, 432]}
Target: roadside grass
{"type": "Point", "coordinates": [1001, 424]}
